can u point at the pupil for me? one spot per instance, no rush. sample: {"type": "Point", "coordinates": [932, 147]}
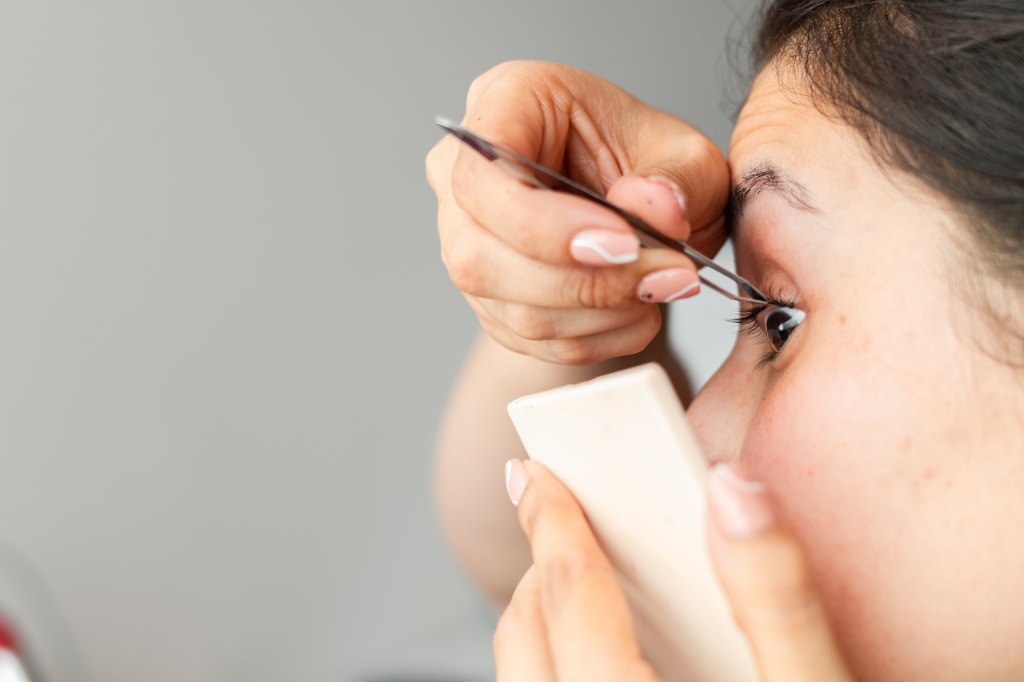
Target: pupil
{"type": "Point", "coordinates": [780, 323]}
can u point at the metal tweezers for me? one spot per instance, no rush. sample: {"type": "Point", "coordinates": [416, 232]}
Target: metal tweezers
{"type": "Point", "coordinates": [521, 166]}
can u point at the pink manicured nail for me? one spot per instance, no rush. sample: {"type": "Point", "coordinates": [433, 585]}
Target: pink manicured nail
{"type": "Point", "coordinates": [741, 508]}
{"type": "Point", "coordinates": [676, 191]}
{"type": "Point", "coordinates": [604, 247]}
{"type": "Point", "coordinates": [515, 480]}
{"type": "Point", "coordinates": [665, 286]}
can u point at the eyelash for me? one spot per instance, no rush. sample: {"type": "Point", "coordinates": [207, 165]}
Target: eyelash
{"type": "Point", "coordinates": [749, 324]}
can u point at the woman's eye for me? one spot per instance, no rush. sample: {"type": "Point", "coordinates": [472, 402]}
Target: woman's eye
{"type": "Point", "coordinates": [779, 322]}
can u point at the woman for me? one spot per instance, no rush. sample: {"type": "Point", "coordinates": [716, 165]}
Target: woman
{"type": "Point", "coordinates": [877, 184]}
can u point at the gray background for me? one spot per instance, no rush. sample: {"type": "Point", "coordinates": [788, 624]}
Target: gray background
{"type": "Point", "coordinates": [226, 332]}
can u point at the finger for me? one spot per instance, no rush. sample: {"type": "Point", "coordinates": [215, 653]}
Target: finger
{"type": "Point", "coordinates": [582, 350]}
{"type": "Point", "coordinates": [769, 585]}
{"type": "Point", "coordinates": [563, 116]}
{"type": "Point", "coordinates": [662, 203]}
{"type": "Point", "coordinates": [481, 265]}
{"type": "Point", "coordinates": [657, 199]}
{"type": "Point", "coordinates": [520, 641]}
{"type": "Point", "coordinates": [590, 629]}
{"type": "Point", "coordinates": [557, 114]}
{"type": "Point", "coordinates": [554, 227]}
{"type": "Point", "coordinates": [540, 323]}
{"type": "Point", "coordinates": [530, 108]}
{"type": "Point", "coordinates": [671, 149]}
{"type": "Point", "coordinates": [439, 163]}
{"type": "Point", "coordinates": [678, 182]}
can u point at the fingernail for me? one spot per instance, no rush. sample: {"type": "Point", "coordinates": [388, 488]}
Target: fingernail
{"type": "Point", "coordinates": [601, 247]}
{"type": "Point", "coordinates": [515, 480]}
{"type": "Point", "coordinates": [665, 286]}
{"type": "Point", "coordinates": [741, 508]}
{"type": "Point", "coordinates": [677, 192]}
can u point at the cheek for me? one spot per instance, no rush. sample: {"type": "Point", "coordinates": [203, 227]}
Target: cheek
{"type": "Point", "coordinates": [823, 448]}
{"type": "Point", "coordinates": [878, 476]}
{"type": "Point", "coordinates": [821, 445]}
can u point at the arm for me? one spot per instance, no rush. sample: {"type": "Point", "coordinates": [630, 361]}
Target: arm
{"type": "Point", "coordinates": [476, 440]}
{"type": "Point", "coordinates": [559, 283]}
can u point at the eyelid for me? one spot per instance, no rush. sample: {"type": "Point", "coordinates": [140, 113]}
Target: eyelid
{"type": "Point", "coordinates": [749, 320]}
{"type": "Point", "coordinates": [750, 323]}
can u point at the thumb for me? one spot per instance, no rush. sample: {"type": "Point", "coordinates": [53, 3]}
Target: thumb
{"type": "Point", "coordinates": [768, 584]}
{"type": "Point", "coordinates": [613, 142]}
{"type": "Point", "coordinates": [678, 181]}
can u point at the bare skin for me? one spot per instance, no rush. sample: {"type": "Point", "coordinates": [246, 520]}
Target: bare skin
{"type": "Point", "coordinates": [548, 319]}
{"type": "Point", "coordinates": [890, 441]}
{"type": "Point", "coordinates": [889, 438]}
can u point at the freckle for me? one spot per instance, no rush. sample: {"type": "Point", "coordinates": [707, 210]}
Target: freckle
{"type": "Point", "coordinates": [842, 319]}
{"type": "Point", "coordinates": [650, 202]}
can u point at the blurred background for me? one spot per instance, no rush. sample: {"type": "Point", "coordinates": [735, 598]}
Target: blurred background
{"type": "Point", "coordinates": [227, 335]}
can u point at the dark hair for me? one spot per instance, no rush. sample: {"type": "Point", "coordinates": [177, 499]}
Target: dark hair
{"type": "Point", "coordinates": [936, 87]}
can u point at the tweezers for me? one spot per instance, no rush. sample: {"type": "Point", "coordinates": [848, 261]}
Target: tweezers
{"type": "Point", "coordinates": [649, 237]}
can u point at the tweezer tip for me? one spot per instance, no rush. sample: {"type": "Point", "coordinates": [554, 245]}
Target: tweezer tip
{"type": "Point", "coordinates": [445, 122]}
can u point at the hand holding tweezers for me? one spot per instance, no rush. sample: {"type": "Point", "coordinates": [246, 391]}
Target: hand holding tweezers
{"type": "Point", "coordinates": [521, 167]}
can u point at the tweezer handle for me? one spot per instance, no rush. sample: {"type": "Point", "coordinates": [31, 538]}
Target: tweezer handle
{"type": "Point", "coordinates": [648, 235]}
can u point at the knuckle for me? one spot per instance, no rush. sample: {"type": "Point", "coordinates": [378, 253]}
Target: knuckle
{"type": "Point", "coordinates": [532, 515]}
{"type": "Point", "coordinates": [520, 615]}
{"type": "Point", "coordinates": [794, 613]}
{"type": "Point", "coordinates": [461, 180]}
{"type": "Point", "coordinates": [528, 323]}
{"type": "Point", "coordinates": [795, 594]}
{"type": "Point", "coordinates": [435, 166]}
{"type": "Point", "coordinates": [583, 288]}
{"type": "Point", "coordinates": [593, 288]}
{"type": "Point", "coordinates": [707, 151]}
{"type": "Point", "coordinates": [513, 69]}
{"type": "Point", "coordinates": [708, 178]}
{"type": "Point", "coordinates": [569, 569]}
{"type": "Point", "coordinates": [504, 633]}
{"type": "Point", "coordinates": [462, 263]}
{"type": "Point", "coordinates": [479, 84]}
{"type": "Point", "coordinates": [782, 593]}
{"type": "Point", "coordinates": [646, 329]}
{"type": "Point", "coordinates": [636, 345]}
{"type": "Point", "coordinates": [499, 333]}
{"type": "Point", "coordinates": [575, 351]}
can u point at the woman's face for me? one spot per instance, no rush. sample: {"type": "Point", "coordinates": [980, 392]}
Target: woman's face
{"type": "Point", "coordinates": [891, 442]}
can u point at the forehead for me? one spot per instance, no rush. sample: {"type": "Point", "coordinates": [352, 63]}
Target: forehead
{"type": "Point", "coordinates": [780, 126]}
{"type": "Point", "coordinates": [776, 119]}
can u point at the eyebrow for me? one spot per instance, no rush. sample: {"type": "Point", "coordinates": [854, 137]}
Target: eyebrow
{"type": "Point", "coordinates": [762, 178]}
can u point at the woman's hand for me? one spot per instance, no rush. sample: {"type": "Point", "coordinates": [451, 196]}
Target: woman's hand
{"type": "Point", "coordinates": [569, 620]}
{"type": "Point", "coordinates": [553, 275]}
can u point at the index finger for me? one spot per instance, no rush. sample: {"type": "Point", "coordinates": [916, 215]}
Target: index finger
{"type": "Point", "coordinates": [554, 227]}
{"type": "Point", "coordinates": [543, 112]}
{"type": "Point", "coordinates": [769, 584]}
{"type": "Point", "coordinates": [589, 625]}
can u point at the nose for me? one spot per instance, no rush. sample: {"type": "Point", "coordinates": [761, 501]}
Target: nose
{"type": "Point", "coordinates": [721, 413]}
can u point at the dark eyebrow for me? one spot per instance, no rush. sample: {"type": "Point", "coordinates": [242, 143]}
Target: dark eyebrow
{"type": "Point", "coordinates": [764, 177]}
